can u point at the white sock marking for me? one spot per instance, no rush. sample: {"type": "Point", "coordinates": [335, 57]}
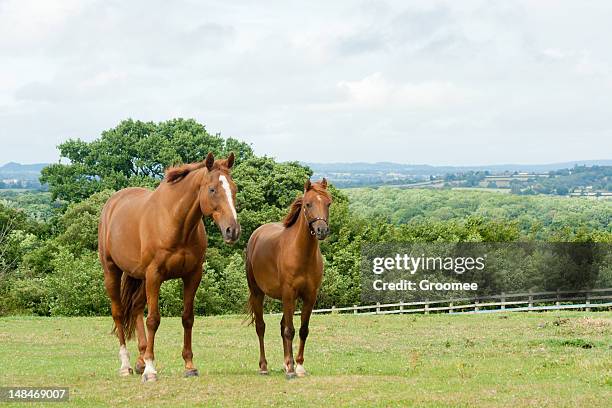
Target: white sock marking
{"type": "Point", "coordinates": [149, 367]}
{"type": "Point", "coordinates": [228, 194]}
{"type": "Point", "coordinates": [300, 369]}
{"type": "Point", "coordinates": [124, 356]}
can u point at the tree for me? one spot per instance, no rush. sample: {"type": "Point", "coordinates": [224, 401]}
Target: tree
{"type": "Point", "coordinates": [134, 153]}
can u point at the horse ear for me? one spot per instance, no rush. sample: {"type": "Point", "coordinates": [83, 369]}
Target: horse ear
{"type": "Point", "coordinates": [307, 185]}
{"type": "Point", "coordinates": [210, 160]}
{"type": "Point", "coordinates": [324, 182]}
{"type": "Point", "coordinates": [230, 160]}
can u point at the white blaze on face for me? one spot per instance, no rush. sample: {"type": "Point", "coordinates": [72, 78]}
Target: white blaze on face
{"type": "Point", "coordinates": [228, 194]}
{"type": "Point", "coordinates": [124, 356]}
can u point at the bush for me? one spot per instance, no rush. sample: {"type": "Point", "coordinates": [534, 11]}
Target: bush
{"type": "Point", "coordinates": [171, 298]}
{"type": "Point", "coordinates": [76, 287]}
{"type": "Point", "coordinates": [80, 223]}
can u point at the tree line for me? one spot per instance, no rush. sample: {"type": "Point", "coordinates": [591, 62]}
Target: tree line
{"type": "Point", "coordinates": [49, 263]}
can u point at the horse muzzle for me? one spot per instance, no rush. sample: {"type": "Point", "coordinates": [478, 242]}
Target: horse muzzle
{"type": "Point", "coordinates": [231, 233]}
{"type": "Point", "coordinates": [320, 230]}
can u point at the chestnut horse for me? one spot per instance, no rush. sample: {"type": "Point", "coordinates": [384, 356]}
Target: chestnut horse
{"type": "Point", "coordinates": [147, 237]}
{"type": "Point", "coordinates": [283, 261]}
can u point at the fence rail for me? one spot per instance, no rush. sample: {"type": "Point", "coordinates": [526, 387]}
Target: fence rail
{"type": "Point", "coordinates": [505, 302]}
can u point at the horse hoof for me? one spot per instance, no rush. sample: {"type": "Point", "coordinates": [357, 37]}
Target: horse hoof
{"type": "Point", "coordinates": [139, 368]}
{"type": "Point", "coordinates": [191, 373]}
{"type": "Point", "coordinates": [125, 372]}
{"type": "Point", "coordinates": [263, 372]}
{"type": "Point", "coordinates": [290, 376]}
{"type": "Point", "coordinates": [300, 371]}
{"type": "Point", "coordinates": [149, 377]}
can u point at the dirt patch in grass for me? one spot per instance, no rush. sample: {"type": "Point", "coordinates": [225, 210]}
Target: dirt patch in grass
{"type": "Point", "coordinates": [593, 323]}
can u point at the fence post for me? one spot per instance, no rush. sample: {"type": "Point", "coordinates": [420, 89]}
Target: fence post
{"type": "Point", "coordinates": [354, 309]}
{"type": "Point", "coordinates": [401, 306]}
{"type": "Point", "coordinates": [588, 301]}
{"type": "Point", "coordinates": [530, 306]}
{"type": "Point", "coordinates": [558, 302]}
{"type": "Point", "coordinates": [426, 306]}
{"type": "Point", "coordinates": [476, 307]}
{"type": "Point", "coordinates": [450, 307]}
{"type": "Point", "coordinates": [377, 307]}
{"type": "Point", "coordinates": [503, 301]}
{"type": "Point", "coordinates": [333, 311]}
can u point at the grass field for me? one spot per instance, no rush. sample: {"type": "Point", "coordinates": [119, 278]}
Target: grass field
{"type": "Point", "coordinates": [531, 359]}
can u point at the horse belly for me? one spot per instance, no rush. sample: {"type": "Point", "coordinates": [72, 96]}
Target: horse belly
{"type": "Point", "coordinates": [125, 251]}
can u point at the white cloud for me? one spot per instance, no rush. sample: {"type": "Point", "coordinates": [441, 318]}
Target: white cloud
{"type": "Point", "coordinates": [527, 79]}
{"type": "Point", "coordinates": [376, 92]}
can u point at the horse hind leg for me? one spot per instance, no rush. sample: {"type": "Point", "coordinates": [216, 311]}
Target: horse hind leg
{"type": "Point", "coordinates": [112, 282]}
{"type": "Point", "coordinates": [256, 300]}
{"type": "Point", "coordinates": [142, 342]}
{"type": "Point", "coordinates": [256, 304]}
{"type": "Point", "coordinates": [153, 283]}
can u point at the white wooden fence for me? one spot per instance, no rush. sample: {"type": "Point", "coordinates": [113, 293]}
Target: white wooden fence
{"type": "Point", "coordinates": [506, 302]}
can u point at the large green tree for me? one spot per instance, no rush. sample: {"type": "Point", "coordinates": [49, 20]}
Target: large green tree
{"type": "Point", "coordinates": [134, 153]}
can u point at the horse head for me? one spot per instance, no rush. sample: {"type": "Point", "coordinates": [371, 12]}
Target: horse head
{"type": "Point", "coordinates": [218, 197]}
{"type": "Point", "coordinates": [315, 204]}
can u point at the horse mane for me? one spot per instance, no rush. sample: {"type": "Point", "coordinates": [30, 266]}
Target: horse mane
{"type": "Point", "coordinates": [294, 211]}
{"type": "Point", "coordinates": [177, 173]}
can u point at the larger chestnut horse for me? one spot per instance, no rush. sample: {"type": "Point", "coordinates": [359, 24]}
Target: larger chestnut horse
{"type": "Point", "coordinates": [284, 261]}
{"type": "Point", "coordinates": [146, 237]}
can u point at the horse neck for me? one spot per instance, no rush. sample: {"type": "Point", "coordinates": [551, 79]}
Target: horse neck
{"type": "Point", "coordinates": [303, 238]}
{"type": "Point", "coordinates": [183, 202]}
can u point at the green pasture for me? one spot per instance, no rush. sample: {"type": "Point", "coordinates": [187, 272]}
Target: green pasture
{"type": "Point", "coordinates": [554, 359]}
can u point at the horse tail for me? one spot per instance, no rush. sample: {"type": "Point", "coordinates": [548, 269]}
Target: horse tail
{"type": "Point", "coordinates": [133, 300]}
{"type": "Point", "coordinates": [250, 313]}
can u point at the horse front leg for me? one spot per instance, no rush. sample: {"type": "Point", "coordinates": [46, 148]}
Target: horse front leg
{"type": "Point", "coordinates": [190, 286]}
{"type": "Point", "coordinates": [306, 312]}
{"type": "Point", "coordinates": [288, 334]}
{"type": "Point", "coordinates": [153, 283]}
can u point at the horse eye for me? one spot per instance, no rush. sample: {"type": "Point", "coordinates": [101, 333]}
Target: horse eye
{"type": "Point", "coordinates": [212, 190]}
{"type": "Point", "coordinates": [308, 205]}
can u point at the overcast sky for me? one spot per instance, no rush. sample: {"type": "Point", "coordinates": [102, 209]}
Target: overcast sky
{"type": "Point", "coordinates": [457, 82]}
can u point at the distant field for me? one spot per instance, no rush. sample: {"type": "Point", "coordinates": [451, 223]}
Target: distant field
{"type": "Point", "coordinates": [536, 216]}
{"type": "Point", "coordinates": [532, 359]}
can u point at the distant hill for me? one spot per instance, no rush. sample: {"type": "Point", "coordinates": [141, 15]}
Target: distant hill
{"type": "Point", "coordinates": [16, 175]}
{"type": "Point", "coordinates": [426, 169]}
{"type": "Point", "coordinates": [17, 168]}
{"type": "Point", "coordinates": [364, 174]}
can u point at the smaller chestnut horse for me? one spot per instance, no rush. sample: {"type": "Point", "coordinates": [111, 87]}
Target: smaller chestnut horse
{"type": "Point", "coordinates": [146, 237]}
{"type": "Point", "coordinates": [284, 261]}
